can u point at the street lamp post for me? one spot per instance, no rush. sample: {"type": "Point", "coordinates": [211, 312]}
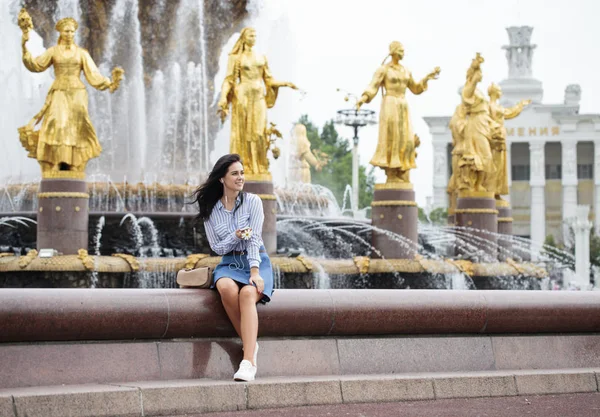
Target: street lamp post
{"type": "Point", "coordinates": [355, 119]}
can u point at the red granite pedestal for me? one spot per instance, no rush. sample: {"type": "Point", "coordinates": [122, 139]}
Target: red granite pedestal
{"type": "Point", "coordinates": [476, 212]}
{"type": "Point", "coordinates": [394, 209]}
{"type": "Point", "coordinates": [264, 189]}
{"type": "Point", "coordinates": [62, 219]}
{"type": "Point", "coordinates": [505, 227]}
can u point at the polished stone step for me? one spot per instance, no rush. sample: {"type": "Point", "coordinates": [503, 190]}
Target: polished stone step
{"type": "Point", "coordinates": [180, 397]}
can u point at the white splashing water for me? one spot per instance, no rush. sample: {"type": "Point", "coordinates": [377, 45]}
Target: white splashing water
{"type": "Point", "coordinates": [23, 95]}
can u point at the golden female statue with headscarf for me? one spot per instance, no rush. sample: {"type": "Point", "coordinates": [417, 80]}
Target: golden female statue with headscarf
{"type": "Point", "coordinates": [248, 76]}
{"type": "Point", "coordinates": [66, 140]}
{"type": "Point", "coordinates": [395, 151]}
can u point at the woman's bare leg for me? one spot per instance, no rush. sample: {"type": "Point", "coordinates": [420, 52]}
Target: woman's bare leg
{"type": "Point", "coordinates": [248, 298]}
{"type": "Point", "coordinates": [230, 294]}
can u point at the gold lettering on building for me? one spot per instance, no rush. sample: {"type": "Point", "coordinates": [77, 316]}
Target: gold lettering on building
{"type": "Point", "coordinates": [533, 131]}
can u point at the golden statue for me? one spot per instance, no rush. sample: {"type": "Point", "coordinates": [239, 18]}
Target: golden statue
{"type": "Point", "coordinates": [457, 127]}
{"type": "Point", "coordinates": [476, 166]}
{"type": "Point", "coordinates": [395, 151]}
{"type": "Point", "coordinates": [304, 158]}
{"type": "Point", "coordinates": [66, 140]}
{"type": "Point", "coordinates": [248, 76]}
{"type": "Point", "coordinates": [498, 115]}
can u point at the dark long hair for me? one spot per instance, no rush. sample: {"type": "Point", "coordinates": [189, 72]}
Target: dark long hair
{"type": "Point", "coordinates": [207, 194]}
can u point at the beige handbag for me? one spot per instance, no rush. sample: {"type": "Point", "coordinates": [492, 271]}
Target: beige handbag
{"type": "Point", "coordinates": [195, 278]}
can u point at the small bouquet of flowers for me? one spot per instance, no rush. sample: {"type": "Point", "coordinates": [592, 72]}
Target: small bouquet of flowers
{"type": "Point", "coordinates": [247, 234]}
{"type": "Point", "coordinates": [25, 23]}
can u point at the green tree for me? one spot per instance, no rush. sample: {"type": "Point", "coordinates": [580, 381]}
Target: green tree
{"type": "Point", "coordinates": [439, 216]}
{"type": "Point", "coordinates": [550, 241]}
{"type": "Point", "coordinates": [337, 174]}
{"type": "Point", "coordinates": [422, 215]}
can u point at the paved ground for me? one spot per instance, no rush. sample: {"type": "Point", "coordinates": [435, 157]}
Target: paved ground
{"type": "Point", "coordinates": [567, 405]}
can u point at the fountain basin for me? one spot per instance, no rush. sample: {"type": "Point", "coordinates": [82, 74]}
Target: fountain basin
{"type": "Point", "coordinates": [126, 271]}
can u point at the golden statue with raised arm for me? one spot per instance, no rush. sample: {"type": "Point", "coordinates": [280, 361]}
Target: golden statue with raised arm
{"type": "Point", "coordinates": [248, 76]}
{"type": "Point", "coordinates": [66, 140]}
{"type": "Point", "coordinates": [498, 115]}
{"type": "Point", "coordinates": [395, 151]}
{"type": "Point", "coordinates": [476, 167]}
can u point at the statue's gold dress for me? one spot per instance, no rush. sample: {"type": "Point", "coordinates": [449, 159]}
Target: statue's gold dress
{"type": "Point", "coordinates": [396, 145]}
{"type": "Point", "coordinates": [477, 135]}
{"type": "Point", "coordinates": [66, 135]}
{"type": "Point", "coordinates": [250, 88]}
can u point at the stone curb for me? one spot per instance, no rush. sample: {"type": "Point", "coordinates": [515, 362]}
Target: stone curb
{"type": "Point", "coordinates": [160, 398]}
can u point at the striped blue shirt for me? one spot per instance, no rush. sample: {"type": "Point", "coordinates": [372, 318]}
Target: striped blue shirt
{"type": "Point", "coordinates": [222, 224]}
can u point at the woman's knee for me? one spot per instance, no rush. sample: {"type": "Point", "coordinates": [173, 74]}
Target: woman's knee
{"type": "Point", "coordinates": [227, 287]}
{"type": "Point", "coordinates": [248, 293]}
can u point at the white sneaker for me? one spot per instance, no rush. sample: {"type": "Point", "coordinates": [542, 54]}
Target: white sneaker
{"type": "Point", "coordinates": [255, 356]}
{"type": "Point", "coordinates": [247, 372]}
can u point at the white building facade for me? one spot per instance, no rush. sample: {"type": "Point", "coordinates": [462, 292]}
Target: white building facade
{"type": "Point", "coordinates": [553, 151]}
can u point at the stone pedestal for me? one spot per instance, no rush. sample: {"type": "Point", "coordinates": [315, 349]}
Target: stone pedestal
{"type": "Point", "coordinates": [451, 221]}
{"type": "Point", "coordinates": [395, 209]}
{"type": "Point", "coordinates": [264, 189]}
{"type": "Point", "coordinates": [62, 220]}
{"type": "Point", "coordinates": [505, 227]}
{"type": "Point", "coordinates": [476, 211]}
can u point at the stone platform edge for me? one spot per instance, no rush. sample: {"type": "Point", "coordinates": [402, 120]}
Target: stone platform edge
{"type": "Point", "coordinates": [181, 397]}
{"type": "Point", "coordinates": [36, 315]}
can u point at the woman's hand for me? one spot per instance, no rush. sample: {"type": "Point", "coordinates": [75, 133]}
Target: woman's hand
{"type": "Point", "coordinates": [258, 282]}
{"type": "Point", "coordinates": [240, 232]}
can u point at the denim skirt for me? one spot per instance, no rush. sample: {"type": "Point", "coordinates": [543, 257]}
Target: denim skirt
{"type": "Point", "coordinates": [236, 266]}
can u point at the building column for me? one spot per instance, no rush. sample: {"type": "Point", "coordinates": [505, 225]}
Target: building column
{"type": "Point", "coordinates": [581, 227]}
{"type": "Point", "coordinates": [597, 186]}
{"type": "Point", "coordinates": [537, 182]}
{"type": "Point", "coordinates": [569, 187]}
{"type": "Point", "coordinates": [440, 174]}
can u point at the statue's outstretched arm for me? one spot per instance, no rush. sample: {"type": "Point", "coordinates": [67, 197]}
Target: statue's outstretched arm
{"type": "Point", "coordinates": [512, 112]}
{"type": "Point", "coordinates": [421, 86]}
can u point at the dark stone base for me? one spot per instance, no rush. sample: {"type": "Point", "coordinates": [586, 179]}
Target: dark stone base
{"type": "Point", "coordinates": [264, 189]}
{"type": "Point", "coordinates": [480, 217]}
{"type": "Point", "coordinates": [396, 211]}
{"type": "Point", "coordinates": [451, 220]}
{"type": "Point", "coordinates": [505, 227]}
{"type": "Point", "coordinates": [63, 215]}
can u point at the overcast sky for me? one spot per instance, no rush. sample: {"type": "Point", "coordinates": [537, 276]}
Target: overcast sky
{"type": "Point", "coordinates": [322, 45]}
